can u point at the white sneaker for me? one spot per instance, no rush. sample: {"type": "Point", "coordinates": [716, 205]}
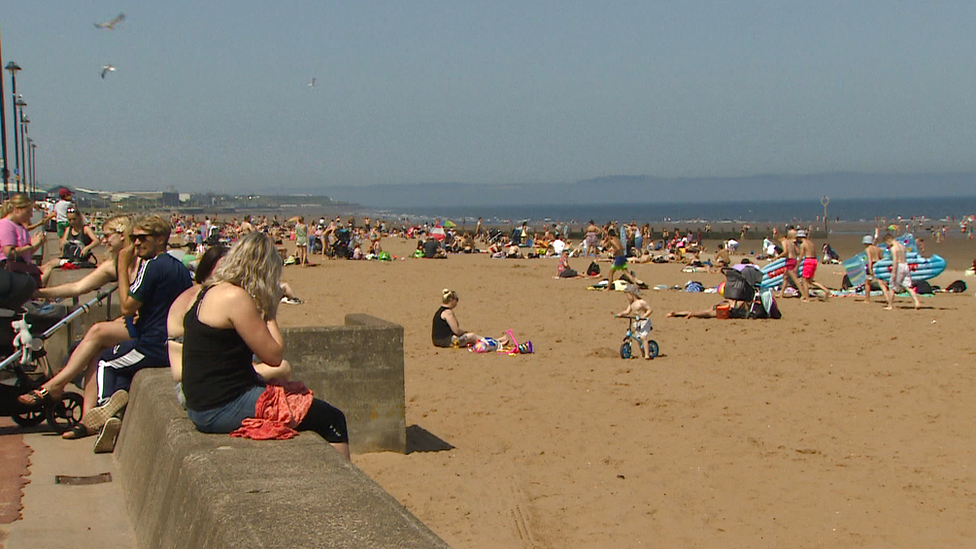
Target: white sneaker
{"type": "Point", "coordinates": [105, 443]}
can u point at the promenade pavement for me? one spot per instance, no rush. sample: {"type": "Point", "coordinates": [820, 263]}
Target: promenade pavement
{"type": "Point", "coordinates": [53, 515]}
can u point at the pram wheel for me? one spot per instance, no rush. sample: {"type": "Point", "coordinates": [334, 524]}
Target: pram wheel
{"type": "Point", "coordinates": [29, 419]}
{"type": "Point", "coordinates": [652, 348]}
{"type": "Point", "coordinates": [625, 351]}
{"type": "Point", "coordinates": [65, 414]}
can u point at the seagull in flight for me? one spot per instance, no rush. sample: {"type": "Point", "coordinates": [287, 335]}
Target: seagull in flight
{"type": "Point", "coordinates": [110, 25]}
{"type": "Point", "coordinates": [312, 83]}
{"type": "Point", "coordinates": [107, 69]}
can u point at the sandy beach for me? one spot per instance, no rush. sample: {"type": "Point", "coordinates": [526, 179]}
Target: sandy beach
{"type": "Point", "coordinates": [841, 425]}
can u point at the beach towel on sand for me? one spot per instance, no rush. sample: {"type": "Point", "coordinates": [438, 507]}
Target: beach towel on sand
{"type": "Point", "coordinates": [279, 409]}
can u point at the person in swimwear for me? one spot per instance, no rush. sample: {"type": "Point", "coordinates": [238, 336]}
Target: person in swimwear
{"type": "Point", "coordinates": [789, 253]}
{"type": "Point", "coordinates": [901, 277]}
{"type": "Point", "coordinates": [808, 267]}
{"type": "Point", "coordinates": [592, 239]}
{"type": "Point", "coordinates": [874, 255]}
{"type": "Point", "coordinates": [616, 248]}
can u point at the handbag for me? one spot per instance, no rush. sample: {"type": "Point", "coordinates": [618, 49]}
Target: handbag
{"type": "Point", "coordinates": [18, 265]}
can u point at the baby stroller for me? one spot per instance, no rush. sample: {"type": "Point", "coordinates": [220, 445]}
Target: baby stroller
{"type": "Point", "coordinates": [743, 285]}
{"type": "Point", "coordinates": [340, 248]}
{"type": "Point", "coordinates": [495, 235]}
{"type": "Point", "coordinates": [26, 367]}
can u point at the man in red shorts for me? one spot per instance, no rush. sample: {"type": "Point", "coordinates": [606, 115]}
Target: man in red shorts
{"type": "Point", "coordinates": [809, 267]}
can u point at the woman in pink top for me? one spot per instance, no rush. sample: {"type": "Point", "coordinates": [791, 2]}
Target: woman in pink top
{"type": "Point", "coordinates": [14, 239]}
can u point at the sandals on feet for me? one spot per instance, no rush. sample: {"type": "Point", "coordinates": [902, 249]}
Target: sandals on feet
{"type": "Point", "coordinates": [36, 397]}
{"type": "Point", "coordinates": [78, 431]}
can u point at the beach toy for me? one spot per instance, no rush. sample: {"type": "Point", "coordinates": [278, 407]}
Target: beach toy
{"type": "Point", "coordinates": [522, 349]}
{"type": "Point", "coordinates": [484, 345]}
{"type": "Point", "coordinates": [721, 289]}
{"type": "Point", "coordinates": [519, 348]}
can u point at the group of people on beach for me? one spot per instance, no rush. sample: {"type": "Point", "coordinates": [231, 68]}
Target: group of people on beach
{"type": "Point", "coordinates": [218, 330]}
{"type": "Point", "coordinates": [205, 329]}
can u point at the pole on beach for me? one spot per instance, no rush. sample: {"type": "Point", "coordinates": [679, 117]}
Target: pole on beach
{"type": "Point", "coordinates": [4, 170]}
{"type": "Point", "coordinates": [23, 128]}
{"type": "Point", "coordinates": [24, 143]}
{"type": "Point", "coordinates": [13, 68]}
{"type": "Point", "coordinates": [825, 200]}
{"type": "Point", "coordinates": [33, 163]}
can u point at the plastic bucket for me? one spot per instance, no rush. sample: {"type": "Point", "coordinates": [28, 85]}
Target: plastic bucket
{"type": "Point", "coordinates": [722, 311]}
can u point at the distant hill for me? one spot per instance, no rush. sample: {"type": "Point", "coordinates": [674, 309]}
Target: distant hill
{"type": "Point", "coordinates": [617, 189]}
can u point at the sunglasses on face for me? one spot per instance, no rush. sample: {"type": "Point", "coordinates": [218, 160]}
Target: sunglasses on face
{"type": "Point", "coordinates": [143, 236]}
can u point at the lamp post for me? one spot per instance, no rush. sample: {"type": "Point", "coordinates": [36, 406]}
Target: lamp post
{"type": "Point", "coordinates": [825, 200]}
{"type": "Point", "coordinates": [13, 68]}
{"type": "Point", "coordinates": [33, 163]}
{"type": "Point", "coordinates": [24, 121]}
{"type": "Point", "coordinates": [29, 169]}
{"type": "Point", "coordinates": [4, 170]}
{"type": "Point", "coordinates": [19, 121]}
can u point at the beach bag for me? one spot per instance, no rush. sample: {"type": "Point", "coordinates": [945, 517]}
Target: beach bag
{"type": "Point", "coordinates": [769, 304]}
{"type": "Point", "coordinates": [383, 256]}
{"type": "Point", "coordinates": [19, 266]}
{"type": "Point", "coordinates": [923, 287]}
{"type": "Point", "coordinates": [956, 287]}
{"type": "Point", "coordinates": [593, 269]}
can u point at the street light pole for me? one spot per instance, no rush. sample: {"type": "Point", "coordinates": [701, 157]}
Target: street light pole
{"type": "Point", "coordinates": [19, 120]}
{"type": "Point", "coordinates": [13, 68]}
{"type": "Point", "coordinates": [24, 121]}
{"type": "Point", "coordinates": [5, 170]}
{"type": "Point", "coordinates": [33, 163]}
{"type": "Point", "coordinates": [29, 169]}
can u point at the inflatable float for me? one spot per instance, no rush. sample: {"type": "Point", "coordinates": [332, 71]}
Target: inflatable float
{"type": "Point", "coordinates": [922, 268]}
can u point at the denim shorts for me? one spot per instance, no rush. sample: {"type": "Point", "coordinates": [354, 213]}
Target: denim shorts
{"type": "Point", "coordinates": [228, 417]}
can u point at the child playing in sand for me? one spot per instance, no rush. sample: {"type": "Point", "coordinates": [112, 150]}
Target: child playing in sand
{"type": "Point", "coordinates": [642, 311]}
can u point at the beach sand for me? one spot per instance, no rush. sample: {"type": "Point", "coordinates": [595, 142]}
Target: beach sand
{"type": "Point", "coordinates": [841, 425]}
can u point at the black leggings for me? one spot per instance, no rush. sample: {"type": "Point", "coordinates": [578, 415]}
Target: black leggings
{"type": "Point", "coordinates": [326, 420]}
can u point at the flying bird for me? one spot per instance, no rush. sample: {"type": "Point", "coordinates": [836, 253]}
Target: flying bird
{"type": "Point", "coordinates": [110, 25]}
{"type": "Point", "coordinates": [107, 69]}
{"type": "Point", "coordinates": [312, 83]}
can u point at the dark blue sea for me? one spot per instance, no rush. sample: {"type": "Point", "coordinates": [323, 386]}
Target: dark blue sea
{"type": "Point", "coordinates": [944, 209]}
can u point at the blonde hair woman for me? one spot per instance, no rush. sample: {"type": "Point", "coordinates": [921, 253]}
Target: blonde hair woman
{"type": "Point", "coordinates": [116, 233]}
{"type": "Point", "coordinates": [16, 243]}
{"type": "Point", "coordinates": [301, 241]}
{"type": "Point", "coordinates": [445, 330]}
{"type": "Point", "coordinates": [232, 317]}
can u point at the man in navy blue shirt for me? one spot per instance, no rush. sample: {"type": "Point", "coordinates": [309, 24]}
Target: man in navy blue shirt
{"type": "Point", "coordinates": [158, 281]}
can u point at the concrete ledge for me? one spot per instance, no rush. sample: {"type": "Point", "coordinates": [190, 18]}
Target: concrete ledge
{"type": "Point", "coordinates": [188, 489]}
{"type": "Point", "coordinates": [357, 368]}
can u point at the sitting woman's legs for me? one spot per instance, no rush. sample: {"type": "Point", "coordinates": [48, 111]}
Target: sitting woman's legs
{"type": "Point", "coordinates": [229, 416]}
{"type": "Point", "coordinates": [330, 423]}
{"type": "Point", "coordinates": [101, 335]}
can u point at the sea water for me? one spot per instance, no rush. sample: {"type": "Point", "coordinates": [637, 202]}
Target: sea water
{"type": "Point", "coordinates": [934, 211]}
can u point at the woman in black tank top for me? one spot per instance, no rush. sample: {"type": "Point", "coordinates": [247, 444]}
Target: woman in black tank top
{"type": "Point", "coordinates": [81, 237]}
{"type": "Point", "coordinates": [445, 330]}
{"type": "Point", "coordinates": [233, 317]}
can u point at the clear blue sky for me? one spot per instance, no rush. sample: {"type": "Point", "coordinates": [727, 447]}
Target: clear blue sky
{"type": "Point", "coordinates": [213, 95]}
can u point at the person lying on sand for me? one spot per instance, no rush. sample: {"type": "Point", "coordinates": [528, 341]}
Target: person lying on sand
{"type": "Point", "coordinates": [736, 310]}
